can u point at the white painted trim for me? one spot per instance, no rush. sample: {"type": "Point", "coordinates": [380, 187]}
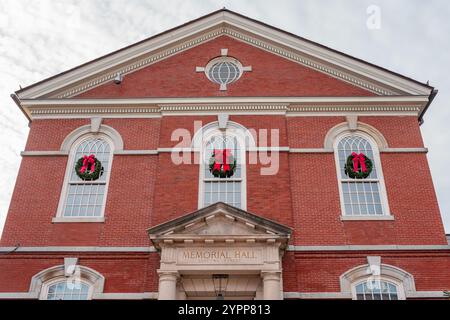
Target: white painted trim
{"type": "Point", "coordinates": [170, 103]}
{"type": "Point", "coordinates": [426, 294]}
{"type": "Point", "coordinates": [154, 295]}
{"type": "Point", "coordinates": [323, 54]}
{"type": "Point", "coordinates": [264, 37]}
{"type": "Point", "coordinates": [404, 150]}
{"type": "Point", "coordinates": [44, 153]}
{"type": "Point", "coordinates": [293, 248]}
{"type": "Point", "coordinates": [41, 281]}
{"type": "Point", "coordinates": [341, 129]}
{"type": "Point", "coordinates": [158, 107]}
{"type": "Point", "coordinates": [310, 150]}
{"type": "Point", "coordinates": [250, 149]}
{"type": "Point", "coordinates": [19, 295]}
{"type": "Point", "coordinates": [234, 129]}
{"type": "Point", "coordinates": [84, 131]}
{"type": "Point", "coordinates": [45, 286]}
{"type": "Point", "coordinates": [125, 296]}
{"type": "Point", "coordinates": [338, 112]}
{"type": "Point", "coordinates": [135, 152]}
{"type": "Point", "coordinates": [367, 218]}
{"type": "Point", "coordinates": [317, 295]}
{"type": "Point", "coordinates": [346, 295]}
{"type": "Point", "coordinates": [392, 247]}
{"type": "Point", "coordinates": [61, 219]}
{"type": "Point", "coordinates": [148, 249]}
{"type": "Point", "coordinates": [401, 278]}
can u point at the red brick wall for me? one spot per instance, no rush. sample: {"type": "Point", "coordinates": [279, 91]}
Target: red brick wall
{"type": "Point", "coordinates": [302, 271]}
{"type": "Point", "coordinates": [320, 272]}
{"type": "Point", "coordinates": [123, 272]}
{"type": "Point", "coordinates": [270, 76]}
{"type": "Point", "coordinates": [303, 194]}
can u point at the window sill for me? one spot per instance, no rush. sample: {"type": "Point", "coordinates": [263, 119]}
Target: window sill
{"type": "Point", "coordinates": [74, 220]}
{"type": "Point", "coordinates": [368, 218]}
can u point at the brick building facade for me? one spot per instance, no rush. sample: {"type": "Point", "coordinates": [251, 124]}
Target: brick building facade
{"type": "Point", "coordinates": [289, 223]}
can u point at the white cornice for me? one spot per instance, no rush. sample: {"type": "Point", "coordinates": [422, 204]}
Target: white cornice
{"type": "Point", "coordinates": [419, 99]}
{"type": "Point", "coordinates": [137, 56]}
{"type": "Point", "coordinates": [157, 107]}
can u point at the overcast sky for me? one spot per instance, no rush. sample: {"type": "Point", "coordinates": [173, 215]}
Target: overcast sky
{"type": "Point", "coordinates": [41, 38]}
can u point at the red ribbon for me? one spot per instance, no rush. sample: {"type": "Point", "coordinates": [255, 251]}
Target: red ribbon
{"type": "Point", "coordinates": [359, 159]}
{"type": "Point", "coordinates": [88, 161]}
{"type": "Point", "coordinates": [221, 160]}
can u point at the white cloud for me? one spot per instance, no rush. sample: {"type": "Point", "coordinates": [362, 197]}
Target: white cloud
{"type": "Point", "coordinates": [41, 38]}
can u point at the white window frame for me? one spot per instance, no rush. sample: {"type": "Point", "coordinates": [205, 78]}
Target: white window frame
{"type": "Point", "coordinates": [241, 161]}
{"type": "Point", "coordinates": [400, 289]}
{"type": "Point", "coordinates": [381, 184]}
{"type": "Point", "coordinates": [70, 166]}
{"type": "Point", "coordinates": [46, 285]}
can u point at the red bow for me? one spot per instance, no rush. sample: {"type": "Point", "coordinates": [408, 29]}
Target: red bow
{"type": "Point", "coordinates": [221, 159]}
{"type": "Point", "coordinates": [359, 159]}
{"type": "Point", "coordinates": [88, 161]}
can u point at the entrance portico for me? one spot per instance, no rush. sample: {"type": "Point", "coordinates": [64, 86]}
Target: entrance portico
{"type": "Point", "coordinates": [220, 251]}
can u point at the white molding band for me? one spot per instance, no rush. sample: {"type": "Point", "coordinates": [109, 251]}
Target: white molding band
{"type": "Point", "coordinates": [310, 150]}
{"type": "Point", "coordinates": [57, 153]}
{"type": "Point", "coordinates": [19, 295]}
{"type": "Point", "coordinates": [253, 149]}
{"type": "Point", "coordinates": [77, 249]}
{"type": "Point", "coordinates": [404, 150]}
{"type": "Point", "coordinates": [392, 247]}
{"type": "Point", "coordinates": [381, 217]}
{"type": "Point", "coordinates": [154, 295]}
{"type": "Point", "coordinates": [125, 296]}
{"type": "Point", "coordinates": [59, 219]}
{"type": "Point", "coordinates": [347, 295]}
{"type": "Point", "coordinates": [317, 295]}
{"type": "Point", "coordinates": [135, 152]}
{"type": "Point", "coordinates": [294, 248]}
{"type": "Point", "coordinates": [158, 107]}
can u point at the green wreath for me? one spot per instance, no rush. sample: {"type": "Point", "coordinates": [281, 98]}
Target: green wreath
{"type": "Point", "coordinates": [83, 168]}
{"type": "Point", "coordinates": [358, 174]}
{"type": "Point", "coordinates": [221, 173]}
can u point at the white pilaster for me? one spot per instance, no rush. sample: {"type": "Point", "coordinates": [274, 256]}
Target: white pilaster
{"type": "Point", "coordinates": [271, 285]}
{"type": "Point", "coordinates": [167, 285]}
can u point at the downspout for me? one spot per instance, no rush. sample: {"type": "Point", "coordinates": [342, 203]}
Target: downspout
{"type": "Point", "coordinates": [430, 100]}
{"type": "Point", "coordinates": [17, 101]}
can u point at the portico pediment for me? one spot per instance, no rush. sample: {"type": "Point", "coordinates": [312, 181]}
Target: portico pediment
{"type": "Point", "coordinates": [219, 223]}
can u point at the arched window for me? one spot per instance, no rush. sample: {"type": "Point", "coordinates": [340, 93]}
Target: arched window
{"type": "Point", "coordinates": [82, 198]}
{"type": "Point", "coordinates": [63, 289]}
{"type": "Point", "coordinates": [61, 283]}
{"type": "Point", "coordinates": [229, 189]}
{"type": "Point", "coordinates": [360, 197]}
{"type": "Point", "coordinates": [373, 282]}
{"type": "Point", "coordinates": [376, 290]}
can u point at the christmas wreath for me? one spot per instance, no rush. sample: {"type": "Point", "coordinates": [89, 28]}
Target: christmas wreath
{"type": "Point", "coordinates": [89, 168]}
{"type": "Point", "coordinates": [358, 166]}
{"type": "Point", "coordinates": [222, 163]}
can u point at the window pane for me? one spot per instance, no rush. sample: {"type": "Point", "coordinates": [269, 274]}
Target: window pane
{"type": "Point", "coordinates": [376, 290]}
{"type": "Point", "coordinates": [361, 199]}
{"type": "Point", "coordinates": [62, 291]}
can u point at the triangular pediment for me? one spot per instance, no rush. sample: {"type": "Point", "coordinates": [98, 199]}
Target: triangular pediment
{"type": "Point", "coordinates": [224, 23]}
{"type": "Point", "coordinates": [219, 222]}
